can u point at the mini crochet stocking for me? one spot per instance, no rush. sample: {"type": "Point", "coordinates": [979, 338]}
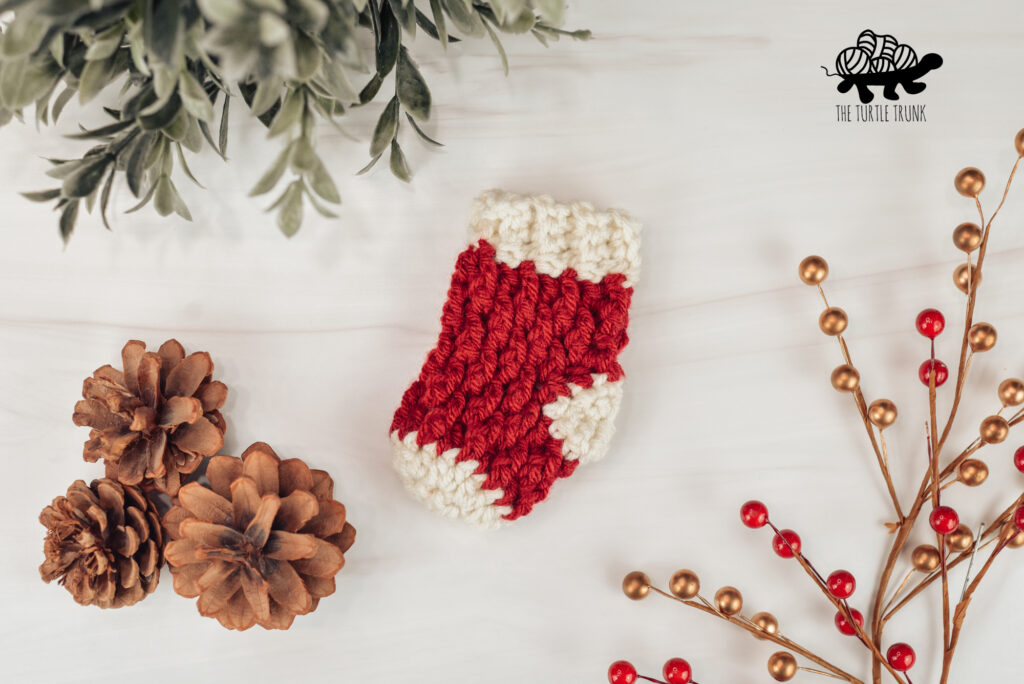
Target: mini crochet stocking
{"type": "Point", "coordinates": [524, 382]}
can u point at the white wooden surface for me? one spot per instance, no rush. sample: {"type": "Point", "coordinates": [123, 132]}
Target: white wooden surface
{"type": "Point", "coordinates": [714, 124]}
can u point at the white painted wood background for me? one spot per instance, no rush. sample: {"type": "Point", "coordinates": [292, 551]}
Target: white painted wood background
{"type": "Point", "coordinates": [714, 124]}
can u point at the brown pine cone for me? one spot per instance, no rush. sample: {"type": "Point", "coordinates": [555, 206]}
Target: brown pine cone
{"type": "Point", "coordinates": [262, 544]}
{"type": "Point", "coordinates": [104, 543]}
{"type": "Point", "coordinates": [155, 420]}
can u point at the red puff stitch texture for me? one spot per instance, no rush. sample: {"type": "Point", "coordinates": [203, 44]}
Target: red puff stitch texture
{"type": "Point", "coordinates": [512, 341]}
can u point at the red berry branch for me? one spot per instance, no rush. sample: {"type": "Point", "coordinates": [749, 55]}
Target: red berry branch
{"type": "Point", "coordinates": [955, 542]}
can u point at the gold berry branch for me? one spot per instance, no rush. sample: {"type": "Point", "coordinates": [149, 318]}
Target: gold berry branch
{"type": "Point", "coordinates": [955, 542]}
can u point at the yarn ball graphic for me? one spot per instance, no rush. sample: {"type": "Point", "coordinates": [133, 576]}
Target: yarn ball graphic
{"type": "Point", "coordinates": [905, 57]}
{"type": "Point", "coordinates": [866, 40]}
{"type": "Point", "coordinates": [875, 54]}
{"type": "Point", "coordinates": [881, 65]}
{"type": "Point", "coordinates": [885, 46]}
{"type": "Point", "coordinates": [853, 60]}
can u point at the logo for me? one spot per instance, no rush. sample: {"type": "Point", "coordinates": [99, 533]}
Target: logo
{"type": "Point", "coordinates": [881, 60]}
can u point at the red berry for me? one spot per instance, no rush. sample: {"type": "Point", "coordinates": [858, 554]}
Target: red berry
{"type": "Point", "coordinates": [1018, 518]}
{"type": "Point", "coordinates": [754, 514]}
{"type": "Point", "coordinates": [941, 372]}
{"type": "Point", "coordinates": [677, 671]}
{"type": "Point", "coordinates": [621, 672]}
{"type": "Point", "coordinates": [943, 519]}
{"type": "Point", "coordinates": [841, 584]}
{"type": "Point", "coordinates": [930, 323]}
{"type": "Point", "coordinates": [844, 626]}
{"type": "Point", "coordinates": [901, 657]}
{"type": "Point", "coordinates": [784, 549]}
{"type": "Point", "coordinates": [1018, 459]}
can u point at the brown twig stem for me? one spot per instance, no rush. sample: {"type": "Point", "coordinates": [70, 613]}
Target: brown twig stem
{"type": "Point", "coordinates": [862, 409]}
{"type": "Point", "coordinates": [760, 633]}
{"type": "Point", "coordinates": [961, 612]}
{"type": "Point", "coordinates": [992, 529]}
{"type": "Point", "coordinates": [841, 606]}
{"type": "Point", "coordinates": [903, 533]}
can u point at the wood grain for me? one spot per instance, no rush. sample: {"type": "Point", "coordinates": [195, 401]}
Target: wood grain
{"type": "Point", "coordinates": [714, 124]}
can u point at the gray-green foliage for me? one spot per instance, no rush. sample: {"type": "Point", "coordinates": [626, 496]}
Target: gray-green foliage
{"type": "Point", "coordinates": [179, 63]}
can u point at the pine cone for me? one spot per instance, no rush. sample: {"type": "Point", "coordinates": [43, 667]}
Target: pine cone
{"type": "Point", "coordinates": [104, 543]}
{"type": "Point", "coordinates": [262, 544]}
{"type": "Point", "coordinates": [155, 420]}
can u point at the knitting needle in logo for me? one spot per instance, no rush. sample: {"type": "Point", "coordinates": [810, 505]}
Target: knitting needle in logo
{"type": "Point", "coordinates": [881, 60]}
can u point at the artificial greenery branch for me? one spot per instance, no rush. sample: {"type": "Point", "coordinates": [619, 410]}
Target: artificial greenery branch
{"type": "Point", "coordinates": [179, 63]}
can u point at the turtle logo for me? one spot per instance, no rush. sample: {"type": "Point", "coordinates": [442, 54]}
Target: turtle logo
{"type": "Point", "coordinates": [881, 60]}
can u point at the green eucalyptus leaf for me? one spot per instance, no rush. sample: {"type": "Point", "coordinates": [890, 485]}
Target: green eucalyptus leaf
{"type": "Point", "coordinates": [440, 29]}
{"type": "Point", "coordinates": [185, 167]}
{"type": "Point", "coordinates": [307, 58]}
{"type": "Point", "coordinates": [42, 195]}
{"type": "Point", "coordinates": [64, 168]}
{"type": "Point", "coordinates": [57, 49]}
{"type": "Point", "coordinates": [143, 100]}
{"type": "Point", "coordinates": [289, 59]}
{"type": "Point", "coordinates": [505, 9]}
{"type": "Point", "coordinates": [412, 89]}
{"type": "Point", "coordinates": [68, 216]}
{"type": "Point", "coordinates": [464, 18]}
{"type": "Point", "coordinates": [387, 126]}
{"type": "Point", "coordinates": [399, 166]}
{"type": "Point", "coordinates": [137, 50]}
{"type": "Point", "coordinates": [164, 26]}
{"type": "Point", "coordinates": [193, 140]}
{"type": "Point", "coordinates": [426, 138]}
{"type": "Point", "coordinates": [178, 128]}
{"type": "Point", "coordinates": [289, 216]}
{"type": "Point", "coordinates": [498, 46]}
{"type": "Point", "coordinates": [105, 197]}
{"type": "Point", "coordinates": [373, 162]}
{"type": "Point", "coordinates": [273, 175]}
{"type": "Point", "coordinates": [97, 75]}
{"type": "Point", "coordinates": [406, 14]}
{"type": "Point", "coordinates": [165, 82]}
{"type": "Point", "coordinates": [290, 114]}
{"type": "Point", "coordinates": [135, 162]}
{"type": "Point", "coordinates": [390, 41]}
{"type": "Point", "coordinates": [61, 102]}
{"type": "Point", "coordinates": [223, 11]}
{"type": "Point", "coordinates": [165, 198]}
{"type": "Point", "coordinates": [371, 89]}
{"type": "Point", "coordinates": [267, 94]}
{"type": "Point", "coordinates": [273, 30]}
{"type": "Point", "coordinates": [551, 11]}
{"type": "Point", "coordinates": [337, 83]}
{"type": "Point", "coordinates": [180, 208]}
{"type": "Point", "coordinates": [106, 43]}
{"type": "Point", "coordinates": [520, 23]}
{"type": "Point", "coordinates": [86, 178]}
{"type": "Point", "coordinates": [204, 128]}
{"type": "Point", "coordinates": [23, 35]}
{"type": "Point", "coordinates": [145, 200]}
{"type": "Point", "coordinates": [321, 209]}
{"type": "Point", "coordinates": [222, 138]}
{"type": "Point", "coordinates": [23, 81]}
{"type": "Point", "coordinates": [162, 117]}
{"type": "Point", "coordinates": [303, 157]}
{"type": "Point", "coordinates": [102, 132]}
{"type": "Point", "coordinates": [194, 97]}
{"type": "Point", "coordinates": [323, 184]}
{"type": "Point", "coordinates": [309, 15]}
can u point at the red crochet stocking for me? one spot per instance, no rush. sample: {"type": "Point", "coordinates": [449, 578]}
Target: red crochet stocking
{"type": "Point", "coordinates": [524, 382]}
